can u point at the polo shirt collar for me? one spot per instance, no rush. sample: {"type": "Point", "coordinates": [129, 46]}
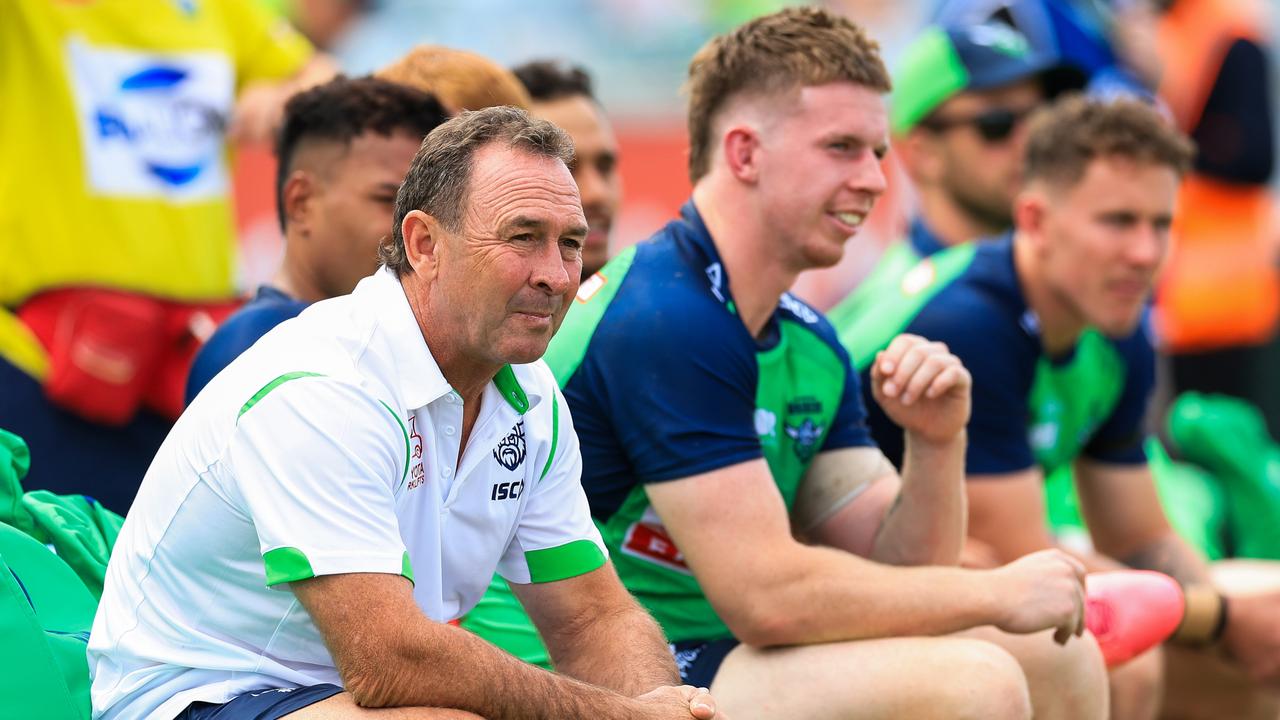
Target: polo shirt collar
{"type": "Point", "coordinates": [420, 380]}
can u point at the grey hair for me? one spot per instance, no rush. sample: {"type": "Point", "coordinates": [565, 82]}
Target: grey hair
{"type": "Point", "coordinates": [439, 177]}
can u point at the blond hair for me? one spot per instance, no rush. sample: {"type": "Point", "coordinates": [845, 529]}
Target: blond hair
{"type": "Point", "coordinates": [461, 80]}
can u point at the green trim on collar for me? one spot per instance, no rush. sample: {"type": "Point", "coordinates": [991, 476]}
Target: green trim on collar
{"type": "Point", "coordinates": [272, 386]}
{"type": "Point", "coordinates": [555, 436]}
{"type": "Point", "coordinates": [510, 388]}
{"type": "Point", "coordinates": [286, 564]}
{"type": "Point", "coordinates": [563, 561]}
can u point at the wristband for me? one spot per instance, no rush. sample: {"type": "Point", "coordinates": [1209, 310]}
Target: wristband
{"type": "Point", "coordinates": [1204, 618]}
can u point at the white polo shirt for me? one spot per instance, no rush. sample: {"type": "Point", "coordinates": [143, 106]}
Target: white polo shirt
{"type": "Point", "coordinates": [328, 447]}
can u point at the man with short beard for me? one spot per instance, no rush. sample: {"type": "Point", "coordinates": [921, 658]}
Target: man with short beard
{"type": "Point", "coordinates": [960, 100]}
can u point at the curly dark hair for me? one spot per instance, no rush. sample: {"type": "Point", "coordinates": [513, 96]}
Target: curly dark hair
{"type": "Point", "coordinates": [548, 80]}
{"type": "Point", "coordinates": [345, 108]}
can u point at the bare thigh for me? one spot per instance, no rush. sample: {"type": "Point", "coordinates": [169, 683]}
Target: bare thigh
{"type": "Point", "coordinates": [1066, 681]}
{"type": "Point", "coordinates": [343, 707]}
{"type": "Point", "coordinates": [919, 678]}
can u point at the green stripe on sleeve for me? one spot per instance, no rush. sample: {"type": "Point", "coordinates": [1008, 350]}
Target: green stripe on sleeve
{"type": "Point", "coordinates": [286, 564]}
{"type": "Point", "coordinates": [404, 431]}
{"type": "Point", "coordinates": [272, 386]}
{"type": "Point", "coordinates": [406, 567]}
{"type": "Point", "coordinates": [555, 435]}
{"type": "Point", "coordinates": [563, 561]}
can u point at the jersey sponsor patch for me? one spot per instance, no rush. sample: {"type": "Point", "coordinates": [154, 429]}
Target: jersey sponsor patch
{"type": "Point", "coordinates": [766, 423]}
{"type": "Point", "coordinates": [789, 303]}
{"type": "Point", "coordinates": [590, 287]}
{"type": "Point", "coordinates": [919, 278]}
{"type": "Point", "coordinates": [417, 474]}
{"type": "Point", "coordinates": [647, 540]}
{"type": "Point", "coordinates": [510, 451]}
{"type": "Point", "coordinates": [152, 124]}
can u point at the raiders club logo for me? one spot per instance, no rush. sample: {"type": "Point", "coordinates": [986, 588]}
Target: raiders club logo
{"type": "Point", "coordinates": [510, 452]}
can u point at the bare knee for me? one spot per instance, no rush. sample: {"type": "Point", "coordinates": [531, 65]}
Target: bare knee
{"type": "Point", "coordinates": [983, 681]}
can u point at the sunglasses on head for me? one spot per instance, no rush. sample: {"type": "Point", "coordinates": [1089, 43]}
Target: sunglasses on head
{"type": "Point", "coordinates": [994, 125]}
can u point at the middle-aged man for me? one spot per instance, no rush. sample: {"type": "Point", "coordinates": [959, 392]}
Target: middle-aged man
{"type": "Point", "coordinates": [725, 454]}
{"type": "Point", "coordinates": [342, 151]}
{"type": "Point", "coordinates": [352, 482]}
{"type": "Point", "coordinates": [563, 95]}
{"type": "Point", "coordinates": [1049, 321]}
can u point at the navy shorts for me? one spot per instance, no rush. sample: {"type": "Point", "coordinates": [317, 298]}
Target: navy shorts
{"type": "Point", "coordinates": [699, 661]}
{"type": "Point", "coordinates": [261, 704]}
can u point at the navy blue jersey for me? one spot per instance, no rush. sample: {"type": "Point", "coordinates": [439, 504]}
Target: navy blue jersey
{"type": "Point", "coordinates": [1028, 408]}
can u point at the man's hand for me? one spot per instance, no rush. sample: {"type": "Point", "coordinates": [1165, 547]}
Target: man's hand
{"type": "Point", "coordinates": [1252, 635]}
{"type": "Point", "coordinates": [922, 387]}
{"type": "Point", "coordinates": [680, 703]}
{"type": "Point", "coordinates": [1042, 590]}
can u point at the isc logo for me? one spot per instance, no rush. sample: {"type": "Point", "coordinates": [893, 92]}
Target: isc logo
{"type": "Point", "coordinates": [507, 490]}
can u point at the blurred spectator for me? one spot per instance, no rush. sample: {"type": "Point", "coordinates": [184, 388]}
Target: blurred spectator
{"type": "Point", "coordinates": [324, 22]}
{"type": "Point", "coordinates": [960, 99]}
{"type": "Point", "coordinates": [1111, 41]}
{"type": "Point", "coordinates": [116, 248]}
{"type": "Point", "coordinates": [343, 151]}
{"type": "Point", "coordinates": [562, 95]}
{"type": "Point", "coordinates": [461, 80]}
{"type": "Point", "coordinates": [1218, 301]}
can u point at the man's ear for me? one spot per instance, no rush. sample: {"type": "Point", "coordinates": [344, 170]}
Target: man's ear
{"type": "Point", "coordinates": [741, 149]}
{"type": "Point", "coordinates": [296, 197]}
{"type": "Point", "coordinates": [423, 238]}
{"type": "Point", "coordinates": [1031, 214]}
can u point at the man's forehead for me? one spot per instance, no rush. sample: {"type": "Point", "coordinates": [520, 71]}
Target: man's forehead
{"type": "Point", "coordinates": [842, 108]}
{"type": "Point", "coordinates": [509, 183]}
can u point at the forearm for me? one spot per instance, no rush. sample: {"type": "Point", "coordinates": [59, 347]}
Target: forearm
{"type": "Point", "coordinates": [926, 523]}
{"type": "Point", "coordinates": [819, 594]}
{"type": "Point", "coordinates": [1170, 555]}
{"type": "Point", "coordinates": [434, 665]}
{"type": "Point", "coordinates": [591, 651]}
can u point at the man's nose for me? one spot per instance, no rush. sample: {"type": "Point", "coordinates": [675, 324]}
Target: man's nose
{"type": "Point", "coordinates": [551, 271]}
{"type": "Point", "coordinates": [868, 175]}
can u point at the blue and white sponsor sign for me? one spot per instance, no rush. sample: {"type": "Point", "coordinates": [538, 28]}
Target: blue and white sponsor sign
{"type": "Point", "coordinates": [152, 124]}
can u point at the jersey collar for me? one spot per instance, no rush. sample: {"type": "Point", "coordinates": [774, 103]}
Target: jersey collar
{"type": "Point", "coordinates": [420, 379]}
{"type": "Point", "coordinates": [717, 277]}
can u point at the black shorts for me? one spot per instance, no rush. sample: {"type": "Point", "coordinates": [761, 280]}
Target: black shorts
{"type": "Point", "coordinates": [261, 704]}
{"type": "Point", "coordinates": [699, 661]}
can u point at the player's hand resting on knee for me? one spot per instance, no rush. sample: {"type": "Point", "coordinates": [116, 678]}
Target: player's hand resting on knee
{"type": "Point", "coordinates": [1040, 591]}
{"type": "Point", "coordinates": [679, 703]}
{"type": "Point", "coordinates": [922, 387]}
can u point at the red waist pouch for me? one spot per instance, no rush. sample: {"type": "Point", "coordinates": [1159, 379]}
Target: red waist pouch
{"type": "Point", "coordinates": [103, 347]}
